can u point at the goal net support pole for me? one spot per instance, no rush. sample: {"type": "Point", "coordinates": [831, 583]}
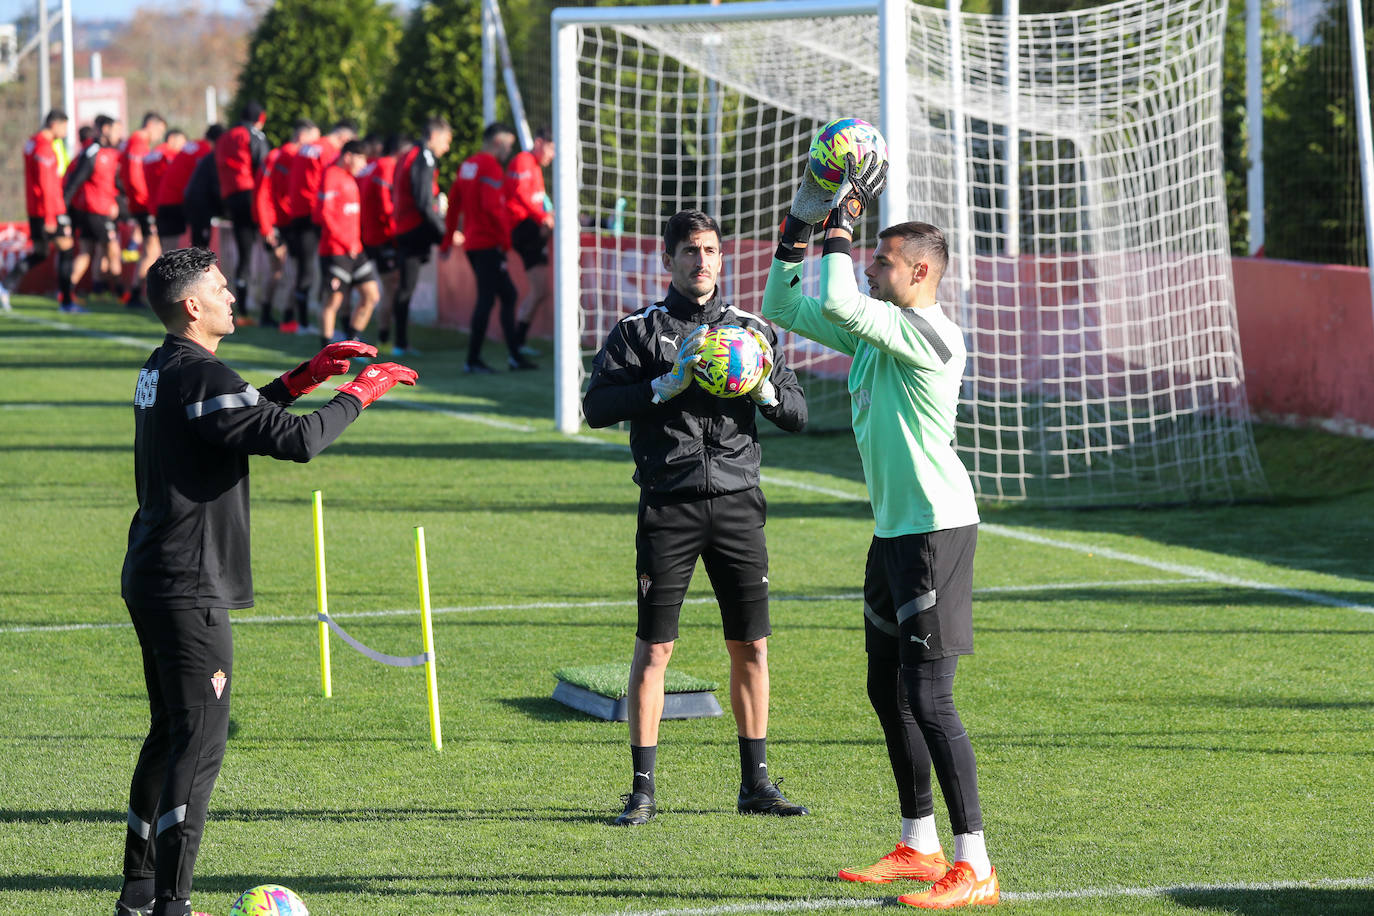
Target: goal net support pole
{"type": "Point", "coordinates": [1073, 160]}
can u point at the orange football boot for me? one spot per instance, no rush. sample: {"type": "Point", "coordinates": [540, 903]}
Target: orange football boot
{"type": "Point", "coordinates": [902, 862]}
{"type": "Point", "coordinates": [957, 888]}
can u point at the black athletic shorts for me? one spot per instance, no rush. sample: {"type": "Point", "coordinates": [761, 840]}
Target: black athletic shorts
{"type": "Point", "coordinates": [147, 223]}
{"type": "Point", "coordinates": [530, 242]}
{"type": "Point", "coordinates": [918, 595]}
{"type": "Point", "coordinates": [342, 272]}
{"type": "Point", "coordinates": [383, 256]}
{"type": "Point", "coordinates": [238, 208]}
{"type": "Point", "coordinates": [171, 221]}
{"type": "Point", "coordinates": [418, 243]}
{"type": "Point", "coordinates": [726, 532]}
{"type": "Point", "coordinates": [93, 226]}
{"type": "Point", "coordinates": [41, 237]}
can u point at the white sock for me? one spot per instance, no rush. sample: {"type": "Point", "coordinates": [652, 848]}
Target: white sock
{"type": "Point", "coordinates": [919, 834]}
{"type": "Point", "coordinates": [969, 847]}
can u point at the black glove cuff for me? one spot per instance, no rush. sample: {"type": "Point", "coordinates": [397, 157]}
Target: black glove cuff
{"type": "Point", "coordinates": [795, 231]}
{"type": "Point", "coordinates": [838, 245]}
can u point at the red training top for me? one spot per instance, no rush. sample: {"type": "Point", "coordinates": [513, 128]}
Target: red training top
{"type": "Point", "coordinates": [338, 213]}
{"type": "Point", "coordinates": [133, 171]}
{"type": "Point", "coordinates": [379, 208]}
{"type": "Point", "coordinates": [154, 167]}
{"type": "Point", "coordinates": [411, 210]}
{"type": "Point", "coordinates": [98, 193]}
{"type": "Point", "coordinates": [234, 160]}
{"type": "Point", "coordinates": [42, 184]}
{"type": "Point", "coordinates": [524, 188]}
{"type": "Point", "coordinates": [478, 199]}
{"type": "Point", "coordinates": [171, 191]}
{"type": "Point", "coordinates": [306, 171]}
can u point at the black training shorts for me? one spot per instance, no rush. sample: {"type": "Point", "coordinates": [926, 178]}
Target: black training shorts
{"type": "Point", "coordinates": [726, 532]}
{"type": "Point", "coordinates": [147, 223]}
{"type": "Point", "coordinates": [918, 595]}
{"type": "Point", "coordinates": [342, 272]}
{"type": "Point", "coordinates": [383, 256]}
{"type": "Point", "coordinates": [41, 237]}
{"type": "Point", "coordinates": [93, 226]}
{"type": "Point", "coordinates": [530, 242]}
{"type": "Point", "coordinates": [171, 221]}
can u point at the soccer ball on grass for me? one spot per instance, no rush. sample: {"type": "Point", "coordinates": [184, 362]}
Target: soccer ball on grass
{"type": "Point", "coordinates": [269, 900]}
{"type": "Point", "coordinates": [834, 140]}
{"type": "Point", "coordinates": [731, 362]}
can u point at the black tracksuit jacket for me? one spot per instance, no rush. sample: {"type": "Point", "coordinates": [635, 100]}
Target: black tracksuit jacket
{"type": "Point", "coordinates": [695, 445]}
{"type": "Point", "coordinates": [195, 424]}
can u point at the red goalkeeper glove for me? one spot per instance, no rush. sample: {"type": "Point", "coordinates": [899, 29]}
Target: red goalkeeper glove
{"type": "Point", "coordinates": [377, 379]}
{"type": "Point", "coordinates": [332, 360]}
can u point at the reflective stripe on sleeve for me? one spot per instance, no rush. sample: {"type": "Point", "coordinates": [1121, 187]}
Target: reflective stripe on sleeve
{"type": "Point", "coordinates": [246, 398]}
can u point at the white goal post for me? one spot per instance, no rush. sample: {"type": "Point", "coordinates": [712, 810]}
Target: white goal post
{"type": "Point", "coordinates": [1073, 160]}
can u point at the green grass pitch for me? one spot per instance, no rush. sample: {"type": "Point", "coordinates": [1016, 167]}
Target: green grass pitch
{"type": "Point", "coordinates": [1172, 710]}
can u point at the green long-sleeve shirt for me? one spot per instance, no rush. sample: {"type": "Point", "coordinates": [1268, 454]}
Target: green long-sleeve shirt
{"type": "Point", "coordinates": [904, 390]}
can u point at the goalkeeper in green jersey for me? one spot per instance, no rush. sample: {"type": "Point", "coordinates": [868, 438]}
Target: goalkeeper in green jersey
{"type": "Point", "coordinates": [908, 363]}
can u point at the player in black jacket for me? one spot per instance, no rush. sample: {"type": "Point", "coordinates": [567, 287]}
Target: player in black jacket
{"type": "Point", "coordinates": [195, 424]}
{"type": "Point", "coordinates": [697, 466]}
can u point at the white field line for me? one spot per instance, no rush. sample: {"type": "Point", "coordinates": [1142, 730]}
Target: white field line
{"type": "Point", "coordinates": [142, 344]}
{"type": "Point", "coordinates": [833, 903]}
{"type": "Point", "coordinates": [572, 605]}
{"type": "Point", "coordinates": [1195, 572]}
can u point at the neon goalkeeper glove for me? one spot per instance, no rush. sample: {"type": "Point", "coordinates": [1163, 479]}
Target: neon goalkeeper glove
{"type": "Point", "coordinates": [332, 360]}
{"type": "Point", "coordinates": [763, 393]}
{"type": "Point", "coordinates": [863, 182]}
{"type": "Point", "coordinates": [671, 384]}
{"type": "Point", "coordinates": [377, 379]}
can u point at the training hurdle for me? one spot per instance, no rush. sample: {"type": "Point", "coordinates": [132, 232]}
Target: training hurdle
{"type": "Point", "coordinates": [327, 623]}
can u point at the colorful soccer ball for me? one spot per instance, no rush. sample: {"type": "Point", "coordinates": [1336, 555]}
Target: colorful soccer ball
{"type": "Point", "coordinates": [269, 900]}
{"type": "Point", "coordinates": [834, 140]}
{"type": "Point", "coordinates": [731, 362]}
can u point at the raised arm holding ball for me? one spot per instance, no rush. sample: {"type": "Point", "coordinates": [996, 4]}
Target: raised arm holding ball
{"type": "Point", "coordinates": [908, 365]}
{"type": "Point", "coordinates": [697, 466]}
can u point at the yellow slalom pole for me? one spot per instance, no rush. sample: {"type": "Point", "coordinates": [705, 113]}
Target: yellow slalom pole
{"type": "Point", "coordinates": [321, 594]}
{"type": "Point", "coordinates": [431, 675]}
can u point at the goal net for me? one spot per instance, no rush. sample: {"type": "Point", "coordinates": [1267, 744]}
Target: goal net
{"type": "Point", "coordinates": [1074, 161]}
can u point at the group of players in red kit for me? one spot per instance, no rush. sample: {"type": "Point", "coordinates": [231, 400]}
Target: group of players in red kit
{"type": "Point", "coordinates": [360, 216]}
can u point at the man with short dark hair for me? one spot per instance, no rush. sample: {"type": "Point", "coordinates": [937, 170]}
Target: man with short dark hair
{"type": "Point", "coordinates": [49, 224]}
{"type": "Point", "coordinates": [377, 187]}
{"type": "Point", "coordinates": [531, 225]}
{"type": "Point", "coordinates": [697, 466]}
{"type": "Point", "coordinates": [133, 174]}
{"type": "Point", "coordinates": [303, 233]}
{"type": "Point", "coordinates": [479, 221]}
{"type": "Point", "coordinates": [171, 190]}
{"type": "Point", "coordinates": [419, 220]}
{"type": "Point", "coordinates": [343, 263]}
{"type": "Point", "coordinates": [239, 158]}
{"type": "Point", "coordinates": [92, 198]}
{"type": "Point", "coordinates": [269, 208]}
{"type": "Point", "coordinates": [188, 561]}
{"type": "Point", "coordinates": [907, 369]}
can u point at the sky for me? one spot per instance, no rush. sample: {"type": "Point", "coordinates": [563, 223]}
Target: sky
{"type": "Point", "coordinates": [112, 9]}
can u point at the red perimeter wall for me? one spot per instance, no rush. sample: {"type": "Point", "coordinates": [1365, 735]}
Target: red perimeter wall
{"type": "Point", "coordinates": [1306, 330]}
{"type": "Point", "coordinates": [1306, 335]}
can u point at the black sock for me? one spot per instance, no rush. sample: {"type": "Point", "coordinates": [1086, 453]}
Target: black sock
{"type": "Point", "coordinates": [643, 759]}
{"type": "Point", "coordinates": [383, 335]}
{"type": "Point", "coordinates": [753, 762]}
{"type": "Point", "coordinates": [324, 341]}
{"type": "Point", "coordinates": [137, 892]}
{"type": "Point", "coordinates": [522, 332]}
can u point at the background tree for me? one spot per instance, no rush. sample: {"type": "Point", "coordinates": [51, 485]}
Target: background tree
{"type": "Point", "coordinates": [439, 72]}
{"type": "Point", "coordinates": [321, 59]}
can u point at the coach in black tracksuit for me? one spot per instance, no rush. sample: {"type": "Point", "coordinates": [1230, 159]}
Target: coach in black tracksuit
{"type": "Point", "coordinates": [697, 466]}
{"type": "Point", "coordinates": [195, 424]}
